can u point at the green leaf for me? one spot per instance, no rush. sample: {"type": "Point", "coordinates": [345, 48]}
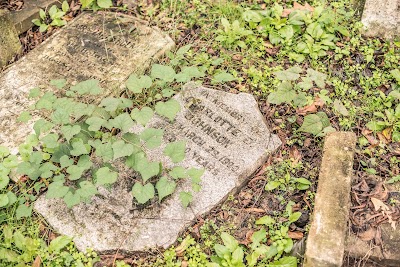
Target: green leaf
{"type": "Point", "coordinates": [168, 109]}
{"type": "Point", "coordinates": [60, 116]}
{"type": "Point", "coordinates": [25, 116]}
{"type": "Point", "coordinates": [271, 185]}
{"type": "Point", "coordinates": [105, 151]}
{"type": "Point", "coordinates": [95, 123]}
{"type": "Point", "coordinates": [394, 179]}
{"type": "Point", "coordinates": [4, 180]}
{"type": "Point", "coordinates": [3, 200]}
{"type": "Point", "coordinates": [4, 152]}
{"type": "Point", "coordinates": [123, 122]}
{"type": "Point", "coordinates": [122, 149]}
{"type": "Point", "coordinates": [188, 73]}
{"type": "Point", "coordinates": [376, 126]}
{"type": "Point", "coordinates": [60, 83]}
{"type": "Point", "coordinates": [176, 151]}
{"type": "Point", "coordinates": [57, 190]}
{"type": "Point", "coordinates": [136, 85]}
{"type": "Point", "coordinates": [396, 74]}
{"type": "Point", "coordinates": [266, 220]}
{"type": "Point", "coordinates": [152, 137]}
{"type": "Point", "coordinates": [229, 241]}
{"type": "Point", "coordinates": [19, 240]}
{"type": "Point", "coordinates": [141, 193]}
{"type": "Point", "coordinates": [312, 124]}
{"type": "Point", "coordinates": [104, 3]}
{"type": "Point", "coordinates": [70, 131]}
{"type": "Point", "coordinates": [105, 176]}
{"type": "Point", "coordinates": [59, 243]}
{"type": "Point", "coordinates": [75, 172]}
{"type": "Point", "coordinates": [339, 107]}
{"type": "Point", "coordinates": [287, 261]}
{"type": "Point", "coordinates": [147, 169]}
{"type": "Point", "coordinates": [285, 93]}
{"type": "Point", "coordinates": [79, 148]}
{"type": "Point", "coordinates": [186, 198]}
{"type": "Point", "coordinates": [65, 6]}
{"type": "Point", "coordinates": [294, 216]}
{"type": "Point", "coordinates": [237, 256]}
{"type": "Point", "coordinates": [72, 199]}
{"type": "Point", "coordinates": [164, 73]}
{"type": "Point", "coordinates": [142, 116]}
{"type": "Point", "coordinates": [86, 190]}
{"type": "Point", "coordinates": [291, 74]}
{"type": "Point", "coordinates": [178, 172]}
{"type": "Point", "coordinates": [91, 87]}
{"type": "Point", "coordinates": [42, 126]}
{"type": "Point", "coordinates": [23, 211]}
{"type": "Point", "coordinates": [50, 140]}
{"type": "Point", "coordinates": [165, 187]}
{"type": "Point", "coordinates": [223, 77]}
{"type": "Point", "coordinates": [35, 92]}
{"type": "Point", "coordinates": [110, 104]}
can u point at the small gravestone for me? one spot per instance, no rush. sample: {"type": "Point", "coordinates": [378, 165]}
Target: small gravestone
{"type": "Point", "coordinates": [381, 18]}
{"type": "Point", "coordinates": [107, 47]}
{"type": "Point", "coordinates": [9, 42]}
{"type": "Point", "coordinates": [225, 134]}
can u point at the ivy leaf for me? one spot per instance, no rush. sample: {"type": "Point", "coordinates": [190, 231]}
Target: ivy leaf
{"type": "Point", "coordinates": [70, 131]}
{"type": "Point", "coordinates": [110, 104]}
{"type": "Point", "coordinates": [3, 200]}
{"type": "Point", "coordinates": [285, 93]}
{"type": "Point", "coordinates": [141, 193]}
{"type": "Point", "coordinates": [168, 109]}
{"type": "Point", "coordinates": [291, 74]}
{"type": "Point", "coordinates": [178, 172]}
{"type": "Point", "coordinates": [59, 243]}
{"type": "Point", "coordinates": [72, 199]}
{"type": "Point", "coordinates": [87, 87]}
{"type": "Point", "coordinates": [59, 84]}
{"type": "Point", "coordinates": [105, 176]}
{"type": "Point", "coordinates": [176, 151]}
{"type": "Point", "coordinates": [57, 190]}
{"type": "Point", "coordinates": [95, 123]}
{"type": "Point", "coordinates": [104, 3]}
{"type": "Point", "coordinates": [42, 126]}
{"type": "Point", "coordinates": [312, 124]}
{"type": "Point", "coordinates": [75, 172]}
{"type": "Point", "coordinates": [165, 187]}
{"type": "Point", "coordinates": [79, 148]}
{"type": "Point", "coordinates": [186, 198]}
{"type": "Point", "coordinates": [25, 116]}
{"type": "Point", "coordinates": [164, 73]}
{"type": "Point", "coordinates": [86, 190]}
{"type": "Point", "coordinates": [23, 211]}
{"type": "Point", "coordinates": [136, 85]}
{"type": "Point", "coordinates": [122, 149]}
{"type": "Point", "coordinates": [152, 137]}
{"type": "Point", "coordinates": [123, 122]}
{"type": "Point", "coordinates": [147, 169]}
{"type": "Point", "coordinates": [50, 140]}
{"type": "Point", "coordinates": [318, 77]}
{"type": "Point", "coordinates": [223, 77]}
{"type": "Point", "coordinates": [84, 162]}
{"type": "Point", "coordinates": [195, 174]}
{"type": "Point", "coordinates": [188, 73]}
{"type": "Point", "coordinates": [142, 116]}
{"type": "Point", "coordinates": [60, 116]}
{"type": "Point", "coordinates": [105, 151]}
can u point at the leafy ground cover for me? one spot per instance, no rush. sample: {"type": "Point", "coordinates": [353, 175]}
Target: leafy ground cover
{"type": "Point", "coordinates": [312, 72]}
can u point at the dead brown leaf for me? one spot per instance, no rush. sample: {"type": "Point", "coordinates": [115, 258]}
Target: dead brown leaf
{"type": "Point", "coordinates": [371, 139]}
{"type": "Point", "coordinates": [37, 262]}
{"type": "Point", "coordinates": [295, 154]}
{"type": "Point", "coordinates": [318, 102]}
{"type": "Point", "coordinates": [367, 235]}
{"type": "Point", "coordinates": [295, 235]}
{"type": "Point", "coordinates": [378, 204]}
{"type": "Point", "coordinates": [255, 210]}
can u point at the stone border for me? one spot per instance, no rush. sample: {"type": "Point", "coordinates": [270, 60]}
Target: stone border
{"type": "Point", "coordinates": [326, 239]}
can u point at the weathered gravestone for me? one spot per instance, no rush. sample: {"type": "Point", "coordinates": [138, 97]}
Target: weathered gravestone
{"type": "Point", "coordinates": [381, 18]}
{"type": "Point", "coordinates": [9, 42]}
{"type": "Point", "coordinates": [103, 46]}
{"type": "Point", "coordinates": [225, 134]}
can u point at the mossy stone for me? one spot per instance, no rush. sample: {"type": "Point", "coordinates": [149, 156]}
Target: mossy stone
{"type": "Point", "coordinates": [9, 42]}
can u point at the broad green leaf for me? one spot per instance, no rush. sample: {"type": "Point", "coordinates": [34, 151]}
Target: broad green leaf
{"type": "Point", "coordinates": [11, 161]}
{"type": "Point", "coordinates": [294, 216]}
{"type": "Point", "coordinates": [271, 185]}
{"type": "Point", "coordinates": [186, 198]}
{"type": "Point", "coordinates": [237, 256]}
{"type": "Point", "coordinates": [75, 172]}
{"type": "Point", "coordinates": [287, 261]}
{"type": "Point", "coordinates": [318, 77]}
{"type": "Point", "coordinates": [60, 83]}
{"type": "Point", "coordinates": [72, 199]}
{"type": "Point", "coordinates": [95, 123]}
{"type": "Point", "coordinates": [42, 126]}
{"type": "Point", "coordinates": [142, 116]}
{"type": "Point", "coordinates": [291, 74]}
{"type": "Point", "coordinates": [168, 109]}
{"type": "Point", "coordinates": [105, 151]}
{"type": "Point", "coordinates": [3, 200]}
{"type": "Point", "coordinates": [312, 124]}
{"type": "Point", "coordinates": [104, 3]}
{"type": "Point", "coordinates": [221, 251]}
{"type": "Point", "coordinates": [86, 190]}
{"type": "Point", "coordinates": [23, 211]}
{"type": "Point", "coordinates": [188, 73]}
{"type": "Point", "coordinates": [178, 172]}
{"type": "Point", "coordinates": [60, 116]}
{"type": "Point", "coordinates": [50, 140]}
{"type": "Point", "coordinates": [79, 148]}
{"type": "Point", "coordinates": [396, 74]}
{"type": "Point", "coordinates": [70, 131]}
{"type": "Point", "coordinates": [285, 93]}
{"type": "Point", "coordinates": [223, 77]}
{"type": "Point", "coordinates": [339, 107]}
{"type": "Point", "coordinates": [12, 198]}
{"type": "Point", "coordinates": [105, 176]}
{"type": "Point", "coordinates": [164, 73]}
{"type": "Point", "coordinates": [111, 104]}
{"type": "Point", "coordinates": [136, 85]}
{"type": "Point", "coordinates": [57, 190]}
{"type": "Point", "coordinates": [229, 241]}
{"type": "Point", "coordinates": [266, 220]}
{"type": "Point", "coordinates": [47, 169]}
{"type": "Point", "coordinates": [46, 101]}
{"type": "Point", "coordinates": [4, 152]}
{"type": "Point", "coordinates": [376, 126]}
{"type": "Point", "coordinates": [91, 87]}
{"type": "Point", "coordinates": [147, 169]}
{"type": "Point", "coordinates": [141, 193]}
{"type": "Point", "coordinates": [85, 162]}
{"type": "Point", "coordinates": [165, 187]}
{"type": "Point", "coordinates": [122, 149]}
{"type": "Point", "coordinates": [123, 122]}
{"type": "Point", "coordinates": [35, 92]}
{"type": "Point", "coordinates": [4, 180]}
{"type": "Point", "coordinates": [19, 240]}
{"type": "Point", "coordinates": [59, 243]}
{"type": "Point", "coordinates": [286, 32]}
{"type": "Point", "coordinates": [134, 160]}
{"type": "Point", "coordinates": [176, 151]}
{"type": "Point", "coordinates": [25, 116]}
{"type": "Point", "coordinates": [152, 137]}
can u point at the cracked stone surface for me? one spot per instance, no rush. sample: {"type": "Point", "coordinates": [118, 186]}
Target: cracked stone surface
{"type": "Point", "coordinates": [103, 46]}
{"type": "Point", "coordinates": [10, 45]}
{"type": "Point", "coordinates": [381, 18]}
{"type": "Point", "coordinates": [226, 135]}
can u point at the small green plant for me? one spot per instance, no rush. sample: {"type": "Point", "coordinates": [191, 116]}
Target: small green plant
{"type": "Point", "coordinates": [96, 4]}
{"type": "Point", "coordinates": [230, 253]}
{"type": "Point", "coordinates": [54, 17]}
{"type": "Point", "coordinates": [389, 123]}
{"type": "Point", "coordinates": [232, 34]}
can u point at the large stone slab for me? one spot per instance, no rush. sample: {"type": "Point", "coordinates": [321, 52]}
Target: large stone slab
{"type": "Point", "coordinates": [381, 18]}
{"type": "Point", "coordinates": [103, 46]}
{"type": "Point", "coordinates": [9, 42]}
{"type": "Point", "coordinates": [326, 239]}
{"type": "Point", "coordinates": [225, 133]}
